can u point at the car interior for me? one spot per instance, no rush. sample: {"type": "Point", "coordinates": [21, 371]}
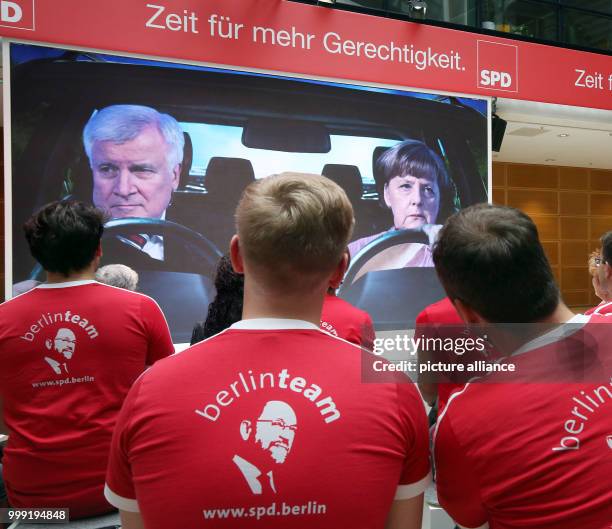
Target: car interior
{"type": "Point", "coordinates": [238, 127]}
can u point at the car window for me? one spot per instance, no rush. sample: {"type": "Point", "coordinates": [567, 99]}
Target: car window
{"type": "Point", "coordinates": [222, 140]}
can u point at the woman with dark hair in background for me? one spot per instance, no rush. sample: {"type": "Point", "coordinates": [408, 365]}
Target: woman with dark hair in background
{"type": "Point", "coordinates": [419, 192]}
{"type": "Point", "coordinates": [226, 308]}
{"type": "Point", "coordinates": [339, 318]}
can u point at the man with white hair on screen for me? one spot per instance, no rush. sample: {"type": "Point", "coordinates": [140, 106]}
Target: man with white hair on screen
{"type": "Point", "coordinates": [135, 154]}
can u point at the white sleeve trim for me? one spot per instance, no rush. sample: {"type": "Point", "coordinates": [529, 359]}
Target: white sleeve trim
{"type": "Point", "coordinates": [125, 504]}
{"type": "Point", "coordinates": [405, 492]}
{"type": "Point", "coordinates": [484, 526]}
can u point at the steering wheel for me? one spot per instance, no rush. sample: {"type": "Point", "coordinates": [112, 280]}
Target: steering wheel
{"type": "Point", "coordinates": [377, 246]}
{"type": "Point", "coordinates": [201, 255]}
{"type": "Point", "coordinates": [194, 250]}
{"type": "Point", "coordinates": [379, 283]}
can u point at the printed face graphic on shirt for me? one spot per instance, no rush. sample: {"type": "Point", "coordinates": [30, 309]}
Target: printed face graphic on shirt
{"type": "Point", "coordinates": [64, 343]}
{"type": "Point", "coordinates": [63, 346]}
{"type": "Point", "coordinates": [274, 429]}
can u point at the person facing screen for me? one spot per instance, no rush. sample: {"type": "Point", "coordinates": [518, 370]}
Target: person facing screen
{"type": "Point", "coordinates": [70, 350]}
{"type": "Point", "coordinates": [419, 193]}
{"type": "Point", "coordinates": [303, 426]}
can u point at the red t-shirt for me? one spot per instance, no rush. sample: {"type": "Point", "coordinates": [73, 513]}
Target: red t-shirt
{"type": "Point", "coordinates": [267, 424]}
{"type": "Point", "coordinates": [440, 313]}
{"type": "Point", "coordinates": [69, 353]}
{"type": "Point", "coordinates": [340, 318]}
{"type": "Point", "coordinates": [516, 454]}
{"type": "Point", "coordinates": [604, 308]}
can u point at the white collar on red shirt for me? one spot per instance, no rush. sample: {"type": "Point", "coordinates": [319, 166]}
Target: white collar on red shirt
{"type": "Point", "coordinates": [563, 331]}
{"type": "Point", "coordinates": [67, 284]}
{"type": "Point", "coordinates": [269, 324]}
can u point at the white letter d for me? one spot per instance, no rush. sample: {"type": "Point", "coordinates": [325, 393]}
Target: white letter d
{"type": "Point", "coordinates": [10, 11]}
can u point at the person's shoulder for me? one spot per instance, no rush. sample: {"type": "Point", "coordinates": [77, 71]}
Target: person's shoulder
{"type": "Point", "coordinates": [25, 298]}
{"type": "Point", "coordinates": [463, 411]}
{"type": "Point", "coordinates": [442, 311]}
{"type": "Point", "coordinates": [110, 291]}
{"type": "Point", "coordinates": [337, 303]}
{"type": "Point", "coordinates": [445, 311]}
{"type": "Point", "coordinates": [24, 303]}
{"type": "Point", "coordinates": [223, 343]}
{"type": "Point", "coordinates": [121, 301]}
{"type": "Point", "coordinates": [221, 350]}
{"type": "Point", "coordinates": [603, 309]}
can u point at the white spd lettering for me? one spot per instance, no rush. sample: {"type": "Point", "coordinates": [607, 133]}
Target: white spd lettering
{"type": "Point", "coordinates": [494, 78]}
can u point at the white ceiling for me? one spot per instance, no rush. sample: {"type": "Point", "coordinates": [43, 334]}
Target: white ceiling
{"type": "Point", "coordinates": [532, 135]}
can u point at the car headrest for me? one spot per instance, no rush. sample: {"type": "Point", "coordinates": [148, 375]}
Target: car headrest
{"type": "Point", "coordinates": [348, 177]}
{"type": "Point", "coordinates": [187, 159]}
{"type": "Point", "coordinates": [228, 177]}
{"type": "Point", "coordinates": [379, 179]}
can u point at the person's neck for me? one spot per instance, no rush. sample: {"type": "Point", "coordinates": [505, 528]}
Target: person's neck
{"type": "Point", "coordinates": [261, 304]}
{"type": "Point", "coordinates": [561, 314]}
{"type": "Point", "coordinates": [509, 338]}
{"type": "Point", "coordinates": [82, 275]}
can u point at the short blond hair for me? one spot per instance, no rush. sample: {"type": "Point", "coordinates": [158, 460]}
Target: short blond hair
{"type": "Point", "coordinates": [294, 223]}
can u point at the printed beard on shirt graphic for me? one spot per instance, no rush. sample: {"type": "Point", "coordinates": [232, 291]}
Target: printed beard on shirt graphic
{"type": "Point", "coordinates": [257, 412]}
{"type": "Point", "coordinates": [58, 335]}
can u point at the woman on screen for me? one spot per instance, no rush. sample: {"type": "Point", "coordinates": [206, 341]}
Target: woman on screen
{"type": "Point", "coordinates": [419, 193]}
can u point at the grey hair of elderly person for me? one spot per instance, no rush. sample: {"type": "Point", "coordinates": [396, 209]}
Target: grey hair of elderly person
{"type": "Point", "coordinates": [118, 275]}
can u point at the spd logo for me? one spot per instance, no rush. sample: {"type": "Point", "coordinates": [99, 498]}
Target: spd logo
{"type": "Point", "coordinates": [497, 66]}
{"type": "Point", "coordinates": [17, 14]}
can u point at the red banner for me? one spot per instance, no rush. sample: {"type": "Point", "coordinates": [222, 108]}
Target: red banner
{"type": "Point", "coordinates": [303, 39]}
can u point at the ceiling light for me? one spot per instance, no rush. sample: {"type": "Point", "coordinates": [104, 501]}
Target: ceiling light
{"type": "Point", "coordinates": [563, 135]}
{"type": "Point", "coordinates": [328, 2]}
{"type": "Point", "coordinates": [550, 160]}
{"type": "Point", "coordinates": [418, 8]}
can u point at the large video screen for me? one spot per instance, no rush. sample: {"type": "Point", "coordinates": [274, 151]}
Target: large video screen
{"type": "Point", "coordinates": [406, 160]}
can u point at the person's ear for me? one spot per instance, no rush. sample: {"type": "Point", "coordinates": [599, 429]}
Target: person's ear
{"type": "Point", "coordinates": [386, 195]}
{"type": "Point", "coordinates": [176, 176]}
{"type": "Point", "coordinates": [236, 255]}
{"type": "Point", "coordinates": [99, 252]}
{"type": "Point", "coordinates": [467, 313]}
{"type": "Point", "coordinates": [340, 271]}
{"type": "Point", "coordinates": [245, 430]}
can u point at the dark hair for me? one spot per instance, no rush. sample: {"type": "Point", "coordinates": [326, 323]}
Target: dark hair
{"type": "Point", "coordinates": [64, 236]}
{"type": "Point", "coordinates": [226, 308]}
{"type": "Point", "coordinates": [413, 157]}
{"type": "Point", "coordinates": [606, 247]}
{"type": "Point", "coordinates": [490, 258]}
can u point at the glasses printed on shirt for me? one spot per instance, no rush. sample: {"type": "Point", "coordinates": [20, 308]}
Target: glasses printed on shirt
{"type": "Point", "coordinates": [280, 423]}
